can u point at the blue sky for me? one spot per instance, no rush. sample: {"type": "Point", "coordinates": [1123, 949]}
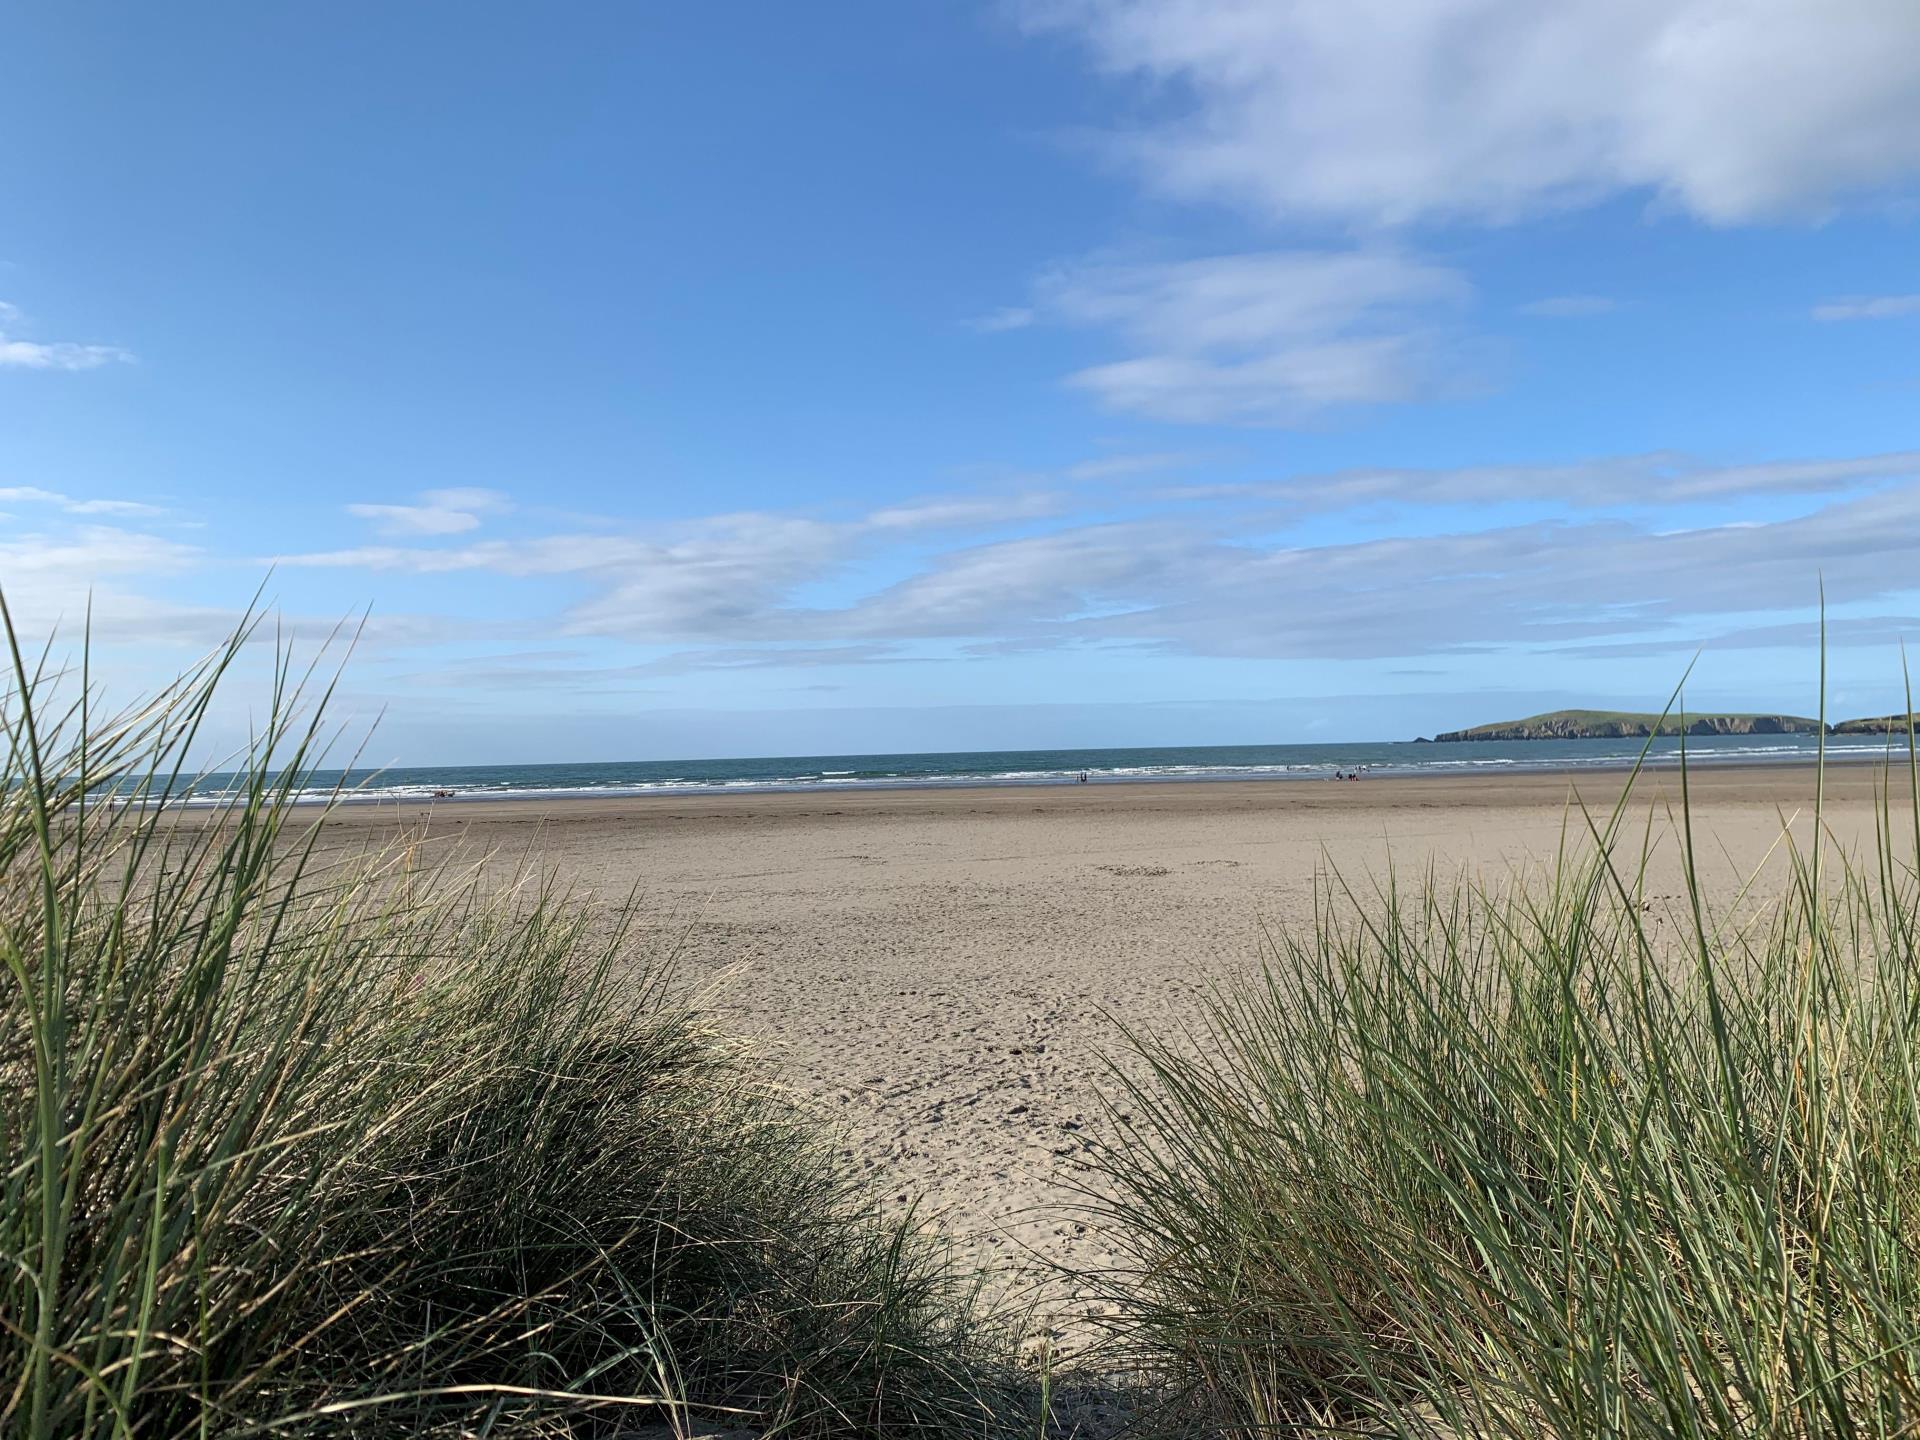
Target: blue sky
{"type": "Point", "coordinates": [680, 380]}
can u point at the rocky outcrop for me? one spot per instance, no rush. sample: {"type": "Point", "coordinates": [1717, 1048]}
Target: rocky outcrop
{"type": "Point", "coordinates": [1877, 725]}
{"type": "Point", "coordinates": [1619, 725]}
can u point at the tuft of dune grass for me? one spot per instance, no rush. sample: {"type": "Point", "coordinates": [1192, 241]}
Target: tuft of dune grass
{"type": "Point", "coordinates": [1484, 1164]}
{"type": "Point", "coordinates": [361, 1148]}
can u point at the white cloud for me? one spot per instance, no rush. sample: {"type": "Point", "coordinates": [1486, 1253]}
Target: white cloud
{"type": "Point", "coordinates": [781, 657]}
{"type": "Point", "coordinates": [1009, 588]}
{"type": "Point", "coordinates": [1200, 590]}
{"type": "Point", "coordinates": [21, 354]}
{"type": "Point", "coordinates": [55, 582]}
{"type": "Point", "coordinates": [34, 495]}
{"type": "Point", "coordinates": [1282, 387]}
{"type": "Point", "coordinates": [30, 494]}
{"type": "Point", "coordinates": [1207, 577]}
{"type": "Point", "coordinates": [438, 512]}
{"type": "Point", "coordinates": [93, 551]}
{"type": "Point", "coordinates": [1804, 636]}
{"type": "Point", "coordinates": [62, 355]}
{"type": "Point", "coordinates": [732, 579]}
{"type": "Point", "coordinates": [1639, 480]}
{"type": "Point", "coordinates": [1116, 467]}
{"type": "Point", "coordinates": [1007, 317]}
{"type": "Point", "coordinates": [1271, 338]}
{"type": "Point", "coordinates": [1239, 303]}
{"type": "Point", "coordinates": [114, 581]}
{"type": "Point", "coordinates": [1868, 307]}
{"type": "Point", "coordinates": [945, 514]}
{"type": "Point", "coordinates": [1385, 112]}
{"type": "Point", "coordinates": [729, 578]}
{"type": "Point", "coordinates": [716, 563]}
{"type": "Point", "coordinates": [1570, 307]}
{"type": "Point", "coordinates": [723, 578]}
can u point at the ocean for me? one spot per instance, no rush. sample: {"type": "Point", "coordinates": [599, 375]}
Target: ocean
{"type": "Point", "coordinates": [827, 773]}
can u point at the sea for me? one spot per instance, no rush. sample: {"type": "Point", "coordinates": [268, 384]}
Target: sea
{"type": "Point", "coordinates": [777, 774]}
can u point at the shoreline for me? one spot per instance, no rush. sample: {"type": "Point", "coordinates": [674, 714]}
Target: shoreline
{"type": "Point", "coordinates": [1852, 778]}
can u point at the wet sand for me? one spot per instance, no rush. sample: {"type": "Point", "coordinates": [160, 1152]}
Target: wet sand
{"type": "Point", "coordinates": [943, 972]}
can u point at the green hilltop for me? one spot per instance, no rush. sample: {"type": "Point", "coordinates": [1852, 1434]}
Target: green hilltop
{"type": "Point", "coordinates": [1627, 724]}
{"type": "Point", "coordinates": [1878, 725]}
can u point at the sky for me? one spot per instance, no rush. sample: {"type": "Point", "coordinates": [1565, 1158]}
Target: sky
{"type": "Point", "coordinates": [649, 380]}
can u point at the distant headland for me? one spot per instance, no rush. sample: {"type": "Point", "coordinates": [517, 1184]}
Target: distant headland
{"type": "Point", "coordinates": [1629, 725]}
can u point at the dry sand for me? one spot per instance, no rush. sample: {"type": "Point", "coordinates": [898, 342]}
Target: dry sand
{"type": "Point", "coordinates": [942, 971]}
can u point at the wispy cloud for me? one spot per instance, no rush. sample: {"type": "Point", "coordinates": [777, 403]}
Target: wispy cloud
{"type": "Point", "coordinates": [1800, 635]}
{"type": "Point", "coordinates": [34, 495]}
{"type": "Point", "coordinates": [61, 355]}
{"type": "Point", "coordinates": [1189, 589]}
{"type": "Point", "coordinates": [783, 657]}
{"type": "Point", "coordinates": [1197, 578]}
{"type": "Point", "coordinates": [93, 551]}
{"type": "Point", "coordinates": [717, 554]}
{"type": "Point", "coordinates": [19, 353]}
{"type": "Point", "coordinates": [1373, 113]}
{"type": "Point", "coordinates": [1007, 317]}
{"type": "Point", "coordinates": [1661, 478]}
{"type": "Point", "coordinates": [1118, 467]}
{"type": "Point", "coordinates": [435, 512]}
{"type": "Point", "coordinates": [1267, 338]}
{"type": "Point", "coordinates": [941, 514]}
{"type": "Point", "coordinates": [1570, 307]}
{"type": "Point", "coordinates": [1869, 307]}
{"type": "Point", "coordinates": [547, 672]}
{"type": "Point", "coordinates": [500, 674]}
{"type": "Point", "coordinates": [122, 585]}
{"type": "Point", "coordinates": [94, 574]}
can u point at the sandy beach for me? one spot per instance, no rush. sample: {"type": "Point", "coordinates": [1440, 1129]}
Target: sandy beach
{"type": "Point", "coordinates": [943, 973]}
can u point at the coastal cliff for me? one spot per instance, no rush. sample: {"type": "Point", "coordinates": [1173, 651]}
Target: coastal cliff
{"type": "Point", "coordinates": [1877, 725]}
{"type": "Point", "coordinates": [1625, 725]}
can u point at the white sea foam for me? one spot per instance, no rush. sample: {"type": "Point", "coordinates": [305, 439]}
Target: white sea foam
{"type": "Point", "coordinates": [555, 783]}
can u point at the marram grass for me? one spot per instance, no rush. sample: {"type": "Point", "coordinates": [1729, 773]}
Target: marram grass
{"type": "Point", "coordinates": [352, 1148]}
{"type": "Point", "coordinates": [1505, 1164]}
{"type": "Point", "coordinates": [292, 1143]}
